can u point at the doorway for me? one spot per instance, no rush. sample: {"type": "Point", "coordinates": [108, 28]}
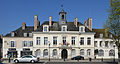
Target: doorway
{"type": "Point", "coordinates": [64, 54]}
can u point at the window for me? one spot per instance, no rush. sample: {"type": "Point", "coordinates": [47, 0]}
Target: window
{"type": "Point", "coordinates": [82, 29]}
{"type": "Point", "coordinates": [45, 40]}
{"type": "Point", "coordinates": [30, 34]}
{"type": "Point", "coordinates": [12, 34]}
{"type": "Point", "coordinates": [100, 43]}
{"type": "Point", "coordinates": [95, 43]}
{"type": "Point", "coordinates": [12, 44]}
{"type": "Point", "coordinates": [37, 53]}
{"type": "Point", "coordinates": [101, 35]}
{"type": "Point", "coordinates": [64, 29]}
{"type": "Point", "coordinates": [24, 43]}
{"type": "Point", "coordinates": [112, 53]}
{"type": "Point", "coordinates": [54, 53]}
{"type": "Point", "coordinates": [73, 53]}
{"type": "Point", "coordinates": [54, 40]}
{"type": "Point", "coordinates": [30, 43]}
{"type": "Point", "coordinates": [62, 16]}
{"type": "Point", "coordinates": [88, 52]}
{"type": "Point", "coordinates": [82, 52]}
{"type": "Point", "coordinates": [25, 34]}
{"type": "Point", "coordinates": [101, 52]}
{"type": "Point", "coordinates": [82, 41]}
{"type": "Point", "coordinates": [106, 43]}
{"type": "Point", "coordinates": [45, 28]}
{"type": "Point", "coordinates": [73, 40]}
{"type": "Point", "coordinates": [37, 40]}
{"type": "Point", "coordinates": [45, 53]}
{"type": "Point", "coordinates": [64, 40]}
{"type": "Point", "coordinates": [88, 41]}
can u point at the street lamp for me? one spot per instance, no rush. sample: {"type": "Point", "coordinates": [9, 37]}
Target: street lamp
{"type": "Point", "coordinates": [49, 49]}
{"type": "Point", "coordinates": [114, 52]}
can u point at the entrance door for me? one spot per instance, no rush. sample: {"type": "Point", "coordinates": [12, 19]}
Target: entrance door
{"type": "Point", "coordinates": [64, 54]}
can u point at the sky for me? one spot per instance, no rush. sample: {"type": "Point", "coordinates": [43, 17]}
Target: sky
{"type": "Point", "coordinates": [14, 12]}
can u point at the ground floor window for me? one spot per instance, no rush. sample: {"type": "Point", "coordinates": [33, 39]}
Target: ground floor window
{"type": "Point", "coordinates": [112, 53]}
{"type": "Point", "coordinates": [54, 53]}
{"type": "Point", "coordinates": [88, 52]}
{"type": "Point", "coordinates": [82, 52]}
{"type": "Point", "coordinates": [12, 53]}
{"type": "Point", "coordinates": [101, 52]}
{"type": "Point", "coordinates": [26, 51]}
{"type": "Point", "coordinates": [73, 52]}
{"type": "Point", "coordinates": [45, 53]}
{"type": "Point", "coordinates": [37, 53]}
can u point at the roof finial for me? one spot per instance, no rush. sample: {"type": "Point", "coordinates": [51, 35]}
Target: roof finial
{"type": "Point", "coordinates": [62, 8]}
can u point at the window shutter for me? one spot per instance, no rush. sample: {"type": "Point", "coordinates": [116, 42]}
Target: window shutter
{"type": "Point", "coordinates": [10, 44]}
{"type": "Point", "coordinates": [14, 43]}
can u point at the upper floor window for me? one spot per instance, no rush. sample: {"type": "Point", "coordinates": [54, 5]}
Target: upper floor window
{"type": "Point", "coordinates": [106, 43]}
{"type": "Point", "coordinates": [12, 44]}
{"type": "Point", "coordinates": [95, 43]}
{"type": "Point", "coordinates": [27, 43]}
{"type": "Point", "coordinates": [37, 40]}
{"type": "Point", "coordinates": [82, 41]}
{"type": "Point", "coordinates": [45, 40]}
{"type": "Point", "coordinates": [24, 43]}
{"type": "Point", "coordinates": [100, 43]}
{"type": "Point", "coordinates": [54, 52]}
{"type": "Point", "coordinates": [64, 40]}
{"type": "Point", "coordinates": [25, 34]}
{"type": "Point", "coordinates": [54, 40]}
{"type": "Point", "coordinates": [88, 41]}
{"type": "Point", "coordinates": [73, 41]}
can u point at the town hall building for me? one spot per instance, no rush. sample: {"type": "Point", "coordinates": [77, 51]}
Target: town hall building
{"type": "Point", "coordinates": [60, 39]}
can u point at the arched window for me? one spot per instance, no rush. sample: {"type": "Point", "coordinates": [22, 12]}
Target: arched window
{"type": "Point", "coordinates": [73, 52]}
{"type": "Point", "coordinates": [37, 52]}
{"type": "Point", "coordinates": [82, 52]}
{"type": "Point", "coordinates": [54, 53]}
{"type": "Point", "coordinates": [112, 53]}
{"type": "Point", "coordinates": [45, 53]}
{"type": "Point", "coordinates": [88, 52]}
{"type": "Point", "coordinates": [62, 16]}
{"type": "Point", "coordinates": [101, 52]}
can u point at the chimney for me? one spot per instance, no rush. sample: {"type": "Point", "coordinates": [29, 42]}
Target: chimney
{"type": "Point", "coordinates": [38, 23]}
{"type": "Point", "coordinates": [23, 26]}
{"type": "Point", "coordinates": [50, 20]}
{"type": "Point", "coordinates": [85, 23]}
{"type": "Point", "coordinates": [35, 24]}
{"type": "Point", "coordinates": [75, 21]}
{"type": "Point", "coordinates": [89, 22]}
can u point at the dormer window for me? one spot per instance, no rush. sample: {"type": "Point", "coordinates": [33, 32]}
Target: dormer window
{"type": "Point", "coordinates": [25, 34]}
{"type": "Point", "coordinates": [64, 28]}
{"type": "Point", "coordinates": [30, 34]}
{"type": "Point", "coordinates": [62, 16]}
{"type": "Point", "coordinates": [81, 29]}
{"type": "Point", "coordinates": [45, 28]}
{"type": "Point", "coordinates": [12, 34]}
{"type": "Point", "coordinates": [110, 36]}
{"type": "Point", "coordinates": [101, 35]}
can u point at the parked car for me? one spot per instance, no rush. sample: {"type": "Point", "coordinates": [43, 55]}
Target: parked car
{"type": "Point", "coordinates": [26, 58]}
{"type": "Point", "coordinates": [78, 58]}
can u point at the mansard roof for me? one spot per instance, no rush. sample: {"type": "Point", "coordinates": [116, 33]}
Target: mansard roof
{"type": "Point", "coordinates": [105, 32]}
{"type": "Point", "coordinates": [55, 27]}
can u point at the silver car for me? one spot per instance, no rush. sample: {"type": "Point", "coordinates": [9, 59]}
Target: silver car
{"type": "Point", "coordinates": [26, 58]}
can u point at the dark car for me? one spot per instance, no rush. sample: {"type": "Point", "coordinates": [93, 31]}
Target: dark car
{"type": "Point", "coordinates": [78, 58]}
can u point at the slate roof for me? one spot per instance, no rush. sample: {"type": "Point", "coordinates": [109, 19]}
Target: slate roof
{"type": "Point", "coordinates": [70, 26]}
{"type": "Point", "coordinates": [106, 34]}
